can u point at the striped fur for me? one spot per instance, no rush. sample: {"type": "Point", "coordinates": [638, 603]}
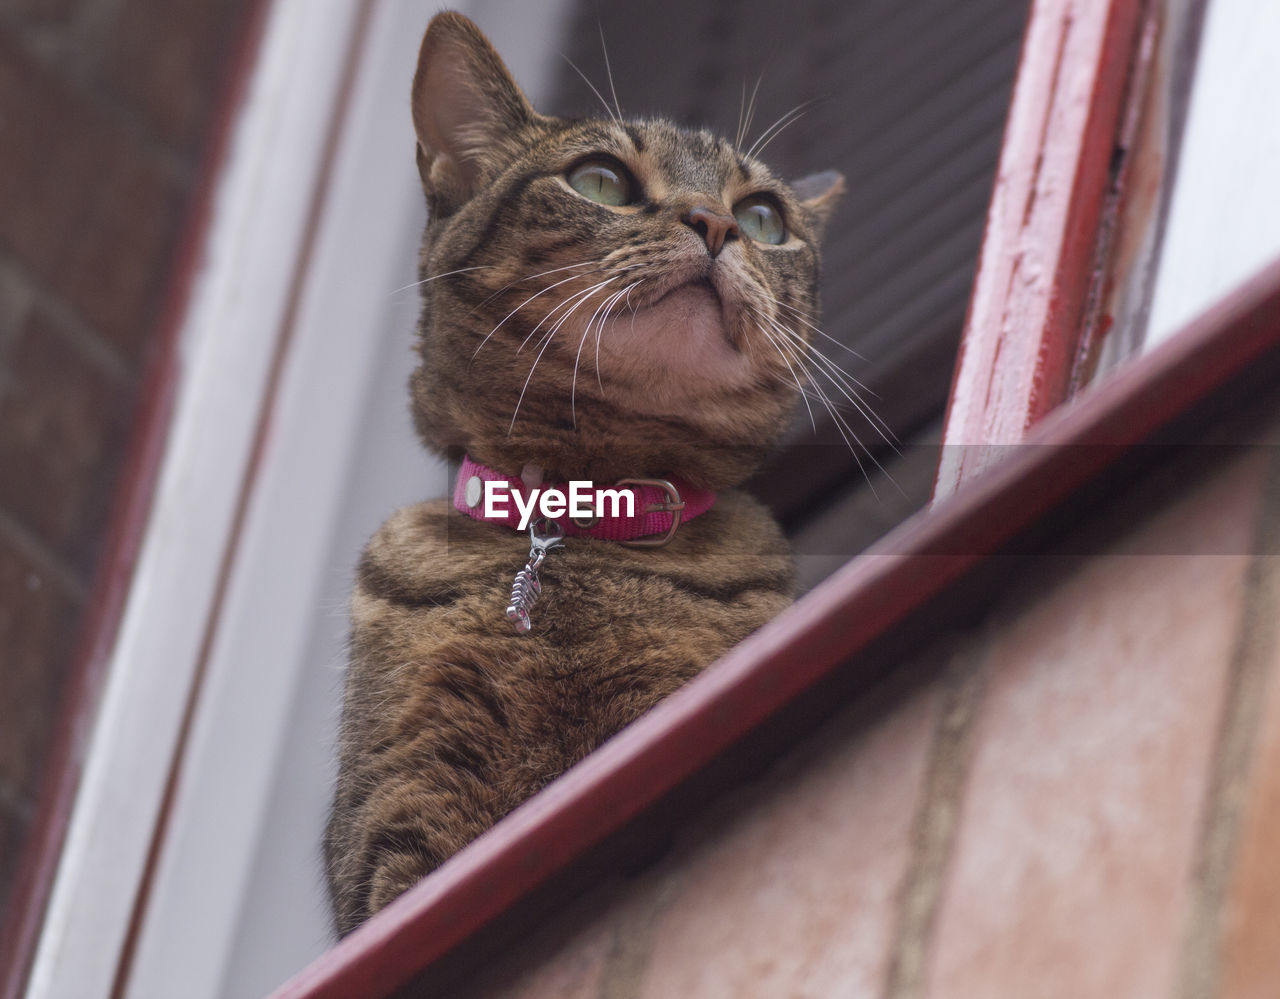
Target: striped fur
{"type": "Point", "coordinates": [594, 342]}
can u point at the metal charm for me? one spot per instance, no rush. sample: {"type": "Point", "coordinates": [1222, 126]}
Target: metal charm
{"type": "Point", "coordinates": [526, 588]}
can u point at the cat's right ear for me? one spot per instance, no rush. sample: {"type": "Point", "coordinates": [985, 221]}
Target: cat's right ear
{"type": "Point", "coordinates": [464, 103]}
{"type": "Point", "coordinates": [819, 193]}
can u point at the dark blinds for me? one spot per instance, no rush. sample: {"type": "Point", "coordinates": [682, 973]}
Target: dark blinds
{"type": "Point", "coordinates": [908, 102]}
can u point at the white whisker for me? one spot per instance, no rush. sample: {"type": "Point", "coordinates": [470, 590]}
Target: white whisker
{"type": "Point", "coordinates": [533, 277]}
{"type": "Point", "coordinates": [803, 395]}
{"type": "Point", "coordinates": [607, 306]}
{"type": "Point", "coordinates": [798, 353]}
{"type": "Point", "coordinates": [586, 332]}
{"type": "Point", "coordinates": [608, 71]}
{"type": "Point", "coordinates": [772, 132]}
{"type": "Point", "coordinates": [615, 118]}
{"type": "Point", "coordinates": [745, 127]}
{"type": "Point", "coordinates": [549, 336]}
{"type": "Point", "coordinates": [844, 382]}
{"type": "Point", "coordinates": [537, 294]}
{"type": "Point", "coordinates": [437, 277]}
{"type": "Point", "coordinates": [808, 321]}
{"type": "Point", "coordinates": [581, 296]}
{"type": "Point", "coordinates": [630, 288]}
{"type": "Point", "coordinates": [742, 109]}
{"type": "Point", "coordinates": [846, 431]}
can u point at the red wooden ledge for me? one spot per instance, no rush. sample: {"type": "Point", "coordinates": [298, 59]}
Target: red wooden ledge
{"type": "Point", "coordinates": [1038, 251]}
{"type": "Point", "coordinates": [772, 668]}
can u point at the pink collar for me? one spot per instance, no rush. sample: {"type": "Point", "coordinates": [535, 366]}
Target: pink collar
{"type": "Point", "coordinates": [659, 506]}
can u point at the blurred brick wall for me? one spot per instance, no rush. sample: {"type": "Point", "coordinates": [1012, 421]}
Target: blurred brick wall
{"type": "Point", "coordinates": [105, 112]}
{"type": "Point", "coordinates": [1077, 797]}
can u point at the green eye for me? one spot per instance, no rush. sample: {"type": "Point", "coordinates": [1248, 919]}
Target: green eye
{"type": "Point", "coordinates": [605, 181]}
{"type": "Point", "coordinates": [760, 218]}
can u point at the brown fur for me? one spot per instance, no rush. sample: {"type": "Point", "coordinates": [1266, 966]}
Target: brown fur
{"type": "Point", "coordinates": [451, 718]}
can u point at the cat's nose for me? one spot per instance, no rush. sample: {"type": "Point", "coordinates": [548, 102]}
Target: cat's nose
{"type": "Point", "coordinates": [714, 228]}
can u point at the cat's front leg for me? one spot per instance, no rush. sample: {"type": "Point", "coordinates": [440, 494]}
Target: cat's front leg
{"type": "Point", "coordinates": [399, 834]}
{"type": "Point", "coordinates": [419, 830]}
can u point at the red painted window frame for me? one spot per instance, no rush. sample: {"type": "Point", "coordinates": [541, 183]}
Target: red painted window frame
{"type": "Point", "coordinates": [1081, 60]}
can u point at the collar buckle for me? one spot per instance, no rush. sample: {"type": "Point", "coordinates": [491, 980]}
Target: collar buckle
{"type": "Point", "coordinates": [673, 505]}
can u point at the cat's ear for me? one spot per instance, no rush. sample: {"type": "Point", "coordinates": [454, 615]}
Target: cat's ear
{"type": "Point", "coordinates": [818, 194]}
{"type": "Point", "coordinates": [464, 103]}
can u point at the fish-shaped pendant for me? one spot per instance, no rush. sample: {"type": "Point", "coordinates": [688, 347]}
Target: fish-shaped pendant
{"type": "Point", "coordinates": [526, 588]}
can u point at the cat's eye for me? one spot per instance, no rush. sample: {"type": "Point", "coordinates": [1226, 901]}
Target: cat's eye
{"type": "Point", "coordinates": [603, 180]}
{"type": "Point", "coordinates": [760, 218]}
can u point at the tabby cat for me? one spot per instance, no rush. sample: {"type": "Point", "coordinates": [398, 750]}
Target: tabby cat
{"type": "Point", "coordinates": [602, 300]}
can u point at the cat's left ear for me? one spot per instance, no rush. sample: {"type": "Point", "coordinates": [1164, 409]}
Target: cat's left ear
{"type": "Point", "coordinates": [818, 194]}
{"type": "Point", "coordinates": [464, 104]}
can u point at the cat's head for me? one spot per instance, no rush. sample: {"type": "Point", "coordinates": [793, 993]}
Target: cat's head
{"type": "Point", "coordinates": [602, 298]}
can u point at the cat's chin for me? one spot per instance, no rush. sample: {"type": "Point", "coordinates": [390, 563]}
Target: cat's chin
{"type": "Point", "coordinates": [689, 301]}
{"type": "Point", "coordinates": [684, 337]}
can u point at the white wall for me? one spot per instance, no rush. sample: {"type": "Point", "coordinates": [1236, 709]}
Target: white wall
{"type": "Point", "coordinates": [1224, 217]}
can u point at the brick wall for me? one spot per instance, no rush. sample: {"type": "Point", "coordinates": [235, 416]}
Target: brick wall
{"type": "Point", "coordinates": [105, 113]}
{"type": "Point", "coordinates": [1077, 796]}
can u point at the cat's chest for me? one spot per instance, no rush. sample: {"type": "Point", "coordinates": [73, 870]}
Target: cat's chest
{"type": "Point", "coordinates": [433, 584]}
